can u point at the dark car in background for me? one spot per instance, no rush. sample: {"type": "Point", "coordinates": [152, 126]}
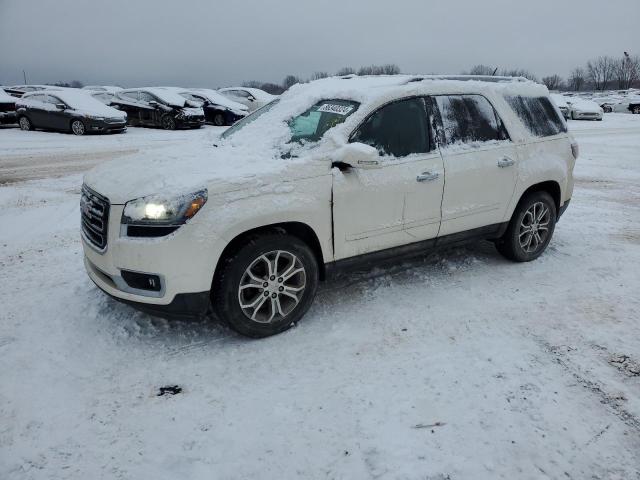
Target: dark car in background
{"type": "Point", "coordinates": [218, 109]}
{"type": "Point", "coordinates": [7, 108]}
{"type": "Point", "coordinates": [68, 111]}
{"type": "Point", "coordinates": [158, 107]}
{"type": "Point", "coordinates": [20, 90]}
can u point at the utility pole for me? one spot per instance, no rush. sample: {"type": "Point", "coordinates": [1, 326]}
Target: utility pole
{"type": "Point", "coordinates": [24, 76]}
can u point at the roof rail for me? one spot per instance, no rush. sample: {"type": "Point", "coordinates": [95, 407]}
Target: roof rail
{"type": "Point", "coordinates": [463, 78]}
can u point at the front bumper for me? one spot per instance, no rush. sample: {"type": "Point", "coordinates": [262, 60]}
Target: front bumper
{"type": "Point", "coordinates": [104, 126]}
{"type": "Point", "coordinates": [182, 261]}
{"type": "Point", "coordinates": [190, 122]}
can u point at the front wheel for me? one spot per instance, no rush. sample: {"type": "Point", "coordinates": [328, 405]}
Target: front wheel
{"type": "Point", "coordinates": [267, 286]}
{"type": "Point", "coordinates": [77, 127]}
{"type": "Point", "coordinates": [530, 229]}
{"type": "Point", "coordinates": [218, 120]}
{"type": "Point", "coordinates": [636, 109]}
{"type": "Point", "coordinates": [168, 123]}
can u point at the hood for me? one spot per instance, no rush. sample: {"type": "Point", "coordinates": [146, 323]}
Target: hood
{"type": "Point", "coordinates": [191, 167]}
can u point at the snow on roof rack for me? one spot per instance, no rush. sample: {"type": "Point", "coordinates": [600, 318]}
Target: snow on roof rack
{"type": "Point", "coordinates": [467, 78]}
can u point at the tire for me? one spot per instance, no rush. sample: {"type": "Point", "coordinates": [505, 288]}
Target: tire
{"type": "Point", "coordinates": [218, 120]}
{"type": "Point", "coordinates": [244, 277]}
{"type": "Point", "coordinates": [516, 244]}
{"type": "Point", "coordinates": [168, 123]}
{"type": "Point", "coordinates": [636, 109]}
{"type": "Point", "coordinates": [77, 127]}
{"type": "Point", "coordinates": [25, 124]}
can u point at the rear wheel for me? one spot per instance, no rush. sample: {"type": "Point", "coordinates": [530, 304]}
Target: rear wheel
{"type": "Point", "coordinates": [25, 124]}
{"type": "Point", "coordinates": [267, 286]}
{"type": "Point", "coordinates": [530, 229]}
{"type": "Point", "coordinates": [77, 127]}
{"type": "Point", "coordinates": [168, 123]}
{"type": "Point", "coordinates": [636, 109]}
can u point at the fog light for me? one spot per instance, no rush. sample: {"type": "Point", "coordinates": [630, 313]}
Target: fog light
{"type": "Point", "coordinates": [142, 281]}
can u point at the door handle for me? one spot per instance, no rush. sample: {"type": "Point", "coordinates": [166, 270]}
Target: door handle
{"type": "Point", "coordinates": [427, 176]}
{"type": "Point", "coordinates": [506, 162]}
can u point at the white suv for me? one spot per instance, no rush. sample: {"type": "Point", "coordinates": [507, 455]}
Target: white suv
{"type": "Point", "coordinates": [337, 173]}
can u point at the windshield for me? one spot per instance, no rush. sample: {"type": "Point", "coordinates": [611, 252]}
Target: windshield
{"type": "Point", "coordinates": [311, 125]}
{"type": "Point", "coordinates": [248, 119]}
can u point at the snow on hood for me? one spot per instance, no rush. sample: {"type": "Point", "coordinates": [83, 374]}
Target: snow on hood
{"type": "Point", "coordinates": [260, 150]}
{"type": "Point", "coordinates": [559, 100]}
{"type": "Point", "coordinates": [584, 105]}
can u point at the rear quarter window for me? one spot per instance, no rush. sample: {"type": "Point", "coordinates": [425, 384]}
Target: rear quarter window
{"type": "Point", "coordinates": [538, 114]}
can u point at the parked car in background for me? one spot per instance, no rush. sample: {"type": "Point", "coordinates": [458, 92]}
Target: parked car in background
{"type": "Point", "coordinates": [384, 167]}
{"type": "Point", "coordinates": [627, 104]}
{"type": "Point", "coordinates": [158, 107]}
{"type": "Point", "coordinates": [68, 110]}
{"type": "Point", "coordinates": [253, 98]}
{"type": "Point", "coordinates": [583, 109]}
{"type": "Point", "coordinates": [218, 109]}
{"type": "Point", "coordinates": [7, 108]}
{"type": "Point", "coordinates": [103, 88]}
{"type": "Point", "coordinates": [561, 102]}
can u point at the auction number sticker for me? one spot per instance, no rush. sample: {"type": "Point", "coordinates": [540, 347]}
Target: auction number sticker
{"type": "Point", "coordinates": [337, 109]}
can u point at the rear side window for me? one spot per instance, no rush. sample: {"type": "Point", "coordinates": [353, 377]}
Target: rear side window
{"type": "Point", "coordinates": [538, 114]}
{"type": "Point", "coordinates": [469, 118]}
{"type": "Point", "coordinates": [398, 129]}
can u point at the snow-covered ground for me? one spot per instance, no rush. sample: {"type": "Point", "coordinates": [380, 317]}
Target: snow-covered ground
{"type": "Point", "coordinates": [460, 365]}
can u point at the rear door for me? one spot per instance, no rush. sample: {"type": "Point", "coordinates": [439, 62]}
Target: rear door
{"type": "Point", "coordinates": [480, 162]}
{"type": "Point", "coordinates": [36, 110]}
{"type": "Point", "coordinates": [128, 103]}
{"type": "Point", "coordinates": [399, 202]}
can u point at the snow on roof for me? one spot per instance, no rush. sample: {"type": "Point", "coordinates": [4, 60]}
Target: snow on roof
{"type": "Point", "coordinates": [168, 95]}
{"type": "Point", "coordinates": [102, 88]}
{"type": "Point", "coordinates": [256, 92]}
{"type": "Point", "coordinates": [216, 97]}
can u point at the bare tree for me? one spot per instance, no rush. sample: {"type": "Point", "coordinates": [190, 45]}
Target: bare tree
{"type": "Point", "coordinates": [576, 79]}
{"type": "Point", "coordinates": [289, 81]}
{"type": "Point", "coordinates": [481, 70]}
{"type": "Point", "coordinates": [600, 71]}
{"type": "Point", "coordinates": [389, 69]}
{"type": "Point", "coordinates": [319, 75]}
{"type": "Point", "coordinates": [272, 88]}
{"type": "Point", "coordinates": [345, 71]}
{"type": "Point", "coordinates": [552, 82]}
{"type": "Point", "coordinates": [627, 71]}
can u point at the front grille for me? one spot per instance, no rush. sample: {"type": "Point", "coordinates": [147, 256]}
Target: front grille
{"type": "Point", "coordinates": [114, 120]}
{"type": "Point", "coordinates": [94, 212]}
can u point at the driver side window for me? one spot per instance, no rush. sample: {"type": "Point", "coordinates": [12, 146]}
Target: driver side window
{"type": "Point", "coordinates": [398, 129]}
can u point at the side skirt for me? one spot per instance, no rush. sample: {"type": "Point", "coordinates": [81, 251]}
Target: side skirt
{"type": "Point", "coordinates": [416, 249]}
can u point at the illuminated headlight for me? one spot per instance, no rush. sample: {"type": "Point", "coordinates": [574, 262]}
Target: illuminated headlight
{"type": "Point", "coordinates": [162, 210]}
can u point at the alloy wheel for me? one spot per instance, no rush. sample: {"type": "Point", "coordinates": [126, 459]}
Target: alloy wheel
{"type": "Point", "coordinates": [77, 127]}
{"type": "Point", "coordinates": [534, 227]}
{"type": "Point", "coordinates": [636, 109]}
{"type": "Point", "coordinates": [272, 286]}
{"type": "Point", "coordinates": [168, 123]}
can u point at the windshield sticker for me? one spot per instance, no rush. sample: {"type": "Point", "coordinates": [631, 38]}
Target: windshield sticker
{"type": "Point", "coordinates": [337, 109]}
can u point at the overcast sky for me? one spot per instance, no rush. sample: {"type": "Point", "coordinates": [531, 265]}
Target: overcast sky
{"type": "Point", "coordinates": [215, 43]}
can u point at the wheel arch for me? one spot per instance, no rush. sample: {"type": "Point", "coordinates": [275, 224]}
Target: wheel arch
{"type": "Point", "coordinates": [297, 229]}
{"type": "Point", "coordinates": [551, 187]}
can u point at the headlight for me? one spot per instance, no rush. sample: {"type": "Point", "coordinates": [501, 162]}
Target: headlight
{"type": "Point", "coordinates": [162, 210]}
{"type": "Point", "coordinates": [95, 118]}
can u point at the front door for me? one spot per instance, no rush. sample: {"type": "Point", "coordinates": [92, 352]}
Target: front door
{"type": "Point", "coordinates": [398, 202]}
{"type": "Point", "coordinates": [480, 163]}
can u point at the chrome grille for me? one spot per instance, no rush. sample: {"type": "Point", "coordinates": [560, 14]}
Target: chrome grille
{"type": "Point", "coordinates": [94, 212]}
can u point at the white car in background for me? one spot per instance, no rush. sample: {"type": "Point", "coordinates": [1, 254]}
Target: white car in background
{"type": "Point", "coordinates": [253, 98]}
{"type": "Point", "coordinates": [336, 174]}
{"type": "Point", "coordinates": [561, 102]}
{"type": "Point", "coordinates": [583, 109]}
{"type": "Point", "coordinates": [628, 104]}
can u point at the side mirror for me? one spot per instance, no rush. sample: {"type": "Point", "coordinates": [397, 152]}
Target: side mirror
{"type": "Point", "coordinates": [61, 106]}
{"type": "Point", "coordinates": [251, 98]}
{"type": "Point", "coordinates": [358, 155]}
{"type": "Point", "coordinates": [153, 103]}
